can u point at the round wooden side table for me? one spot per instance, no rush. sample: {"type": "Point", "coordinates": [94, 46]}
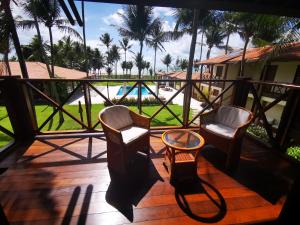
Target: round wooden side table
{"type": "Point", "coordinates": [182, 148]}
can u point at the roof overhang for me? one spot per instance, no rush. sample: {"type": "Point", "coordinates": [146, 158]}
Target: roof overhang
{"type": "Point", "coordinates": [289, 8]}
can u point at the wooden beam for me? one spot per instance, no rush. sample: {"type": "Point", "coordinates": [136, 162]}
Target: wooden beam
{"type": "Point", "coordinates": [75, 12]}
{"type": "Point", "coordinates": [66, 11]}
{"type": "Point", "coordinates": [289, 8]}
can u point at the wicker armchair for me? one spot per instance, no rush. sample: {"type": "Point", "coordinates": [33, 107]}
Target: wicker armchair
{"type": "Point", "coordinates": [224, 128]}
{"type": "Point", "coordinates": [126, 134]}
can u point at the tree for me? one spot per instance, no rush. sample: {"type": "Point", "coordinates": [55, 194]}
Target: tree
{"type": "Point", "coordinates": [30, 7]}
{"type": "Point", "coordinates": [183, 64]}
{"type": "Point", "coordinates": [124, 66]}
{"type": "Point", "coordinates": [167, 60]}
{"type": "Point", "coordinates": [125, 46]}
{"type": "Point", "coordinates": [147, 66]}
{"type": "Point", "coordinates": [115, 56]}
{"type": "Point", "coordinates": [157, 37]}
{"type": "Point", "coordinates": [48, 12]}
{"type": "Point", "coordinates": [261, 29]}
{"type": "Point", "coordinates": [129, 66]}
{"type": "Point", "coordinates": [32, 51]}
{"type": "Point", "coordinates": [229, 27]}
{"type": "Point", "coordinates": [106, 40]}
{"type": "Point", "coordinates": [214, 37]}
{"type": "Point", "coordinates": [108, 70]}
{"type": "Point", "coordinates": [5, 38]}
{"type": "Point", "coordinates": [137, 25]}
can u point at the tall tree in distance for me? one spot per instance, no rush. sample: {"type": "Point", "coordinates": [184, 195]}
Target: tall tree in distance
{"type": "Point", "coordinates": [214, 37]}
{"type": "Point", "coordinates": [157, 37]}
{"type": "Point", "coordinates": [229, 28]}
{"type": "Point", "coordinates": [125, 46]}
{"type": "Point", "coordinates": [138, 22]}
{"type": "Point", "coordinates": [115, 55]}
{"type": "Point", "coordinates": [106, 40]}
{"type": "Point", "coordinates": [167, 61]}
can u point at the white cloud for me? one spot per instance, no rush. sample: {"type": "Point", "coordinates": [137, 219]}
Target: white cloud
{"type": "Point", "coordinates": [162, 11]}
{"type": "Point", "coordinates": [115, 18]}
{"type": "Point", "coordinates": [167, 26]}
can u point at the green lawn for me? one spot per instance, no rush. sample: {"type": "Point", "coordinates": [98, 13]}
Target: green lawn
{"type": "Point", "coordinates": [164, 118]}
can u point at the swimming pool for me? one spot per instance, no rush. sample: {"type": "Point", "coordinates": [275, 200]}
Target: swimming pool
{"type": "Point", "coordinates": [133, 92]}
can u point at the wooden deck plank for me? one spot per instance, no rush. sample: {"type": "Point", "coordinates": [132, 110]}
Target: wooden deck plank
{"type": "Point", "coordinates": [66, 181]}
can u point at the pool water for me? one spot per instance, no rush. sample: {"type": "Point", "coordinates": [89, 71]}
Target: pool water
{"type": "Point", "coordinates": [133, 92]}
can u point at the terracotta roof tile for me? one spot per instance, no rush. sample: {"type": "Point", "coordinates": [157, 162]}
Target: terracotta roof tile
{"type": "Point", "coordinates": [38, 70]}
{"type": "Point", "coordinates": [254, 54]}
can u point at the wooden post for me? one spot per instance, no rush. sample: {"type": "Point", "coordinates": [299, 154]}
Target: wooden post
{"type": "Point", "coordinates": [80, 111]}
{"type": "Point", "coordinates": [240, 92]}
{"type": "Point", "coordinates": [87, 98]}
{"type": "Point", "coordinates": [140, 97]}
{"type": "Point", "coordinates": [188, 89]}
{"type": "Point", "coordinates": [288, 115]}
{"type": "Point", "coordinates": [19, 108]}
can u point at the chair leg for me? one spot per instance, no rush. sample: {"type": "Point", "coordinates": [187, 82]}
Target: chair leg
{"type": "Point", "coordinates": [233, 156]}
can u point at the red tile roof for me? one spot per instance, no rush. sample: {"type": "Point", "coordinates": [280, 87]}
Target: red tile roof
{"type": "Point", "coordinates": [253, 54]}
{"type": "Point", "coordinates": [181, 75]}
{"type": "Point", "coordinates": [38, 70]}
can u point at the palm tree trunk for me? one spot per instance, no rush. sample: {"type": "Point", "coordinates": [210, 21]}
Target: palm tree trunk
{"type": "Point", "coordinates": [201, 48]}
{"type": "Point", "coordinates": [208, 53]}
{"type": "Point", "coordinates": [125, 64]}
{"type": "Point", "coordinates": [227, 41]}
{"type": "Point", "coordinates": [44, 56]}
{"type": "Point", "coordinates": [154, 66]}
{"type": "Point", "coordinates": [55, 93]}
{"type": "Point", "coordinates": [52, 52]}
{"type": "Point", "coordinates": [243, 57]}
{"type": "Point", "coordinates": [141, 51]}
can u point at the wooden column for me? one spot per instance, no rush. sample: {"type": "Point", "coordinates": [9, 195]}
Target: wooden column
{"type": "Point", "coordinates": [288, 116]}
{"type": "Point", "coordinates": [188, 89]}
{"type": "Point", "coordinates": [19, 108]}
{"type": "Point", "coordinates": [240, 92]}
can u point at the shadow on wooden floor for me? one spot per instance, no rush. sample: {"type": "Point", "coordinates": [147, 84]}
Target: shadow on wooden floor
{"type": "Point", "coordinates": [127, 191]}
{"type": "Point", "coordinates": [259, 170]}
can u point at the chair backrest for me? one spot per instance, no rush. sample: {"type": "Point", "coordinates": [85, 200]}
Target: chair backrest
{"type": "Point", "coordinates": [116, 116]}
{"type": "Point", "coordinates": [232, 116]}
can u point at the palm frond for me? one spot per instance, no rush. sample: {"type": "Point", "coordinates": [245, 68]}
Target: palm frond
{"type": "Point", "coordinates": [70, 30]}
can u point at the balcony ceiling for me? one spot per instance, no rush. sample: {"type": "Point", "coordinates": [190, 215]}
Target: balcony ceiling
{"type": "Point", "coordinates": [277, 7]}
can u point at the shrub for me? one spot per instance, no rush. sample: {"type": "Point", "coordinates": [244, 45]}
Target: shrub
{"type": "Point", "coordinates": [259, 132]}
{"type": "Point", "coordinates": [133, 101]}
{"type": "Point", "coordinates": [294, 151]}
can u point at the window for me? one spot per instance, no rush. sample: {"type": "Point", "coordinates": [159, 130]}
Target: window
{"type": "Point", "coordinates": [271, 72]}
{"type": "Point", "coordinates": [219, 71]}
{"type": "Point", "coordinates": [297, 76]}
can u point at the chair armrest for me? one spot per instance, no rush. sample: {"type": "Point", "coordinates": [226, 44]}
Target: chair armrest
{"type": "Point", "coordinates": [208, 117]}
{"type": "Point", "coordinates": [112, 134]}
{"type": "Point", "coordinates": [242, 129]}
{"type": "Point", "coordinates": [139, 120]}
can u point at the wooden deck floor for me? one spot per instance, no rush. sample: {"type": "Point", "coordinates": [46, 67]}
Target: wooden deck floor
{"type": "Point", "coordinates": [66, 181]}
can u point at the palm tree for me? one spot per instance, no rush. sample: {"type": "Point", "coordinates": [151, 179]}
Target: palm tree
{"type": "Point", "coordinates": [183, 64]}
{"type": "Point", "coordinates": [137, 25]}
{"type": "Point", "coordinates": [32, 51]}
{"type": "Point", "coordinates": [158, 37]}
{"type": "Point", "coordinates": [214, 37]}
{"type": "Point", "coordinates": [106, 40]}
{"type": "Point", "coordinates": [147, 66]}
{"type": "Point", "coordinates": [5, 41]}
{"type": "Point", "coordinates": [129, 66]}
{"type": "Point", "coordinates": [229, 27]}
{"type": "Point", "coordinates": [115, 56]}
{"type": "Point", "coordinates": [30, 7]}
{"type": "Point", "coordinates": [167, 61]}
{"type": "Point", "coordinates": [184, 23]}
{"type": "Point", "coordinates": [125, 46]}
{"type": "Point", "coordinates": [124, 66]}
{"type": "Point", "coordinates": [258, 28]}
{"type": "Point", "coordinates": [48, 12]}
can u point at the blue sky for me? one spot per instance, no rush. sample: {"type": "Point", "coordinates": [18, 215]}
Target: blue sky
{"type": "Point", "coordinates": [101, 16]}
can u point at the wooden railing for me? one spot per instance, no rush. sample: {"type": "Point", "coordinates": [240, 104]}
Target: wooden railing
{"type": "Point", "coordinates": [21, 104]}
